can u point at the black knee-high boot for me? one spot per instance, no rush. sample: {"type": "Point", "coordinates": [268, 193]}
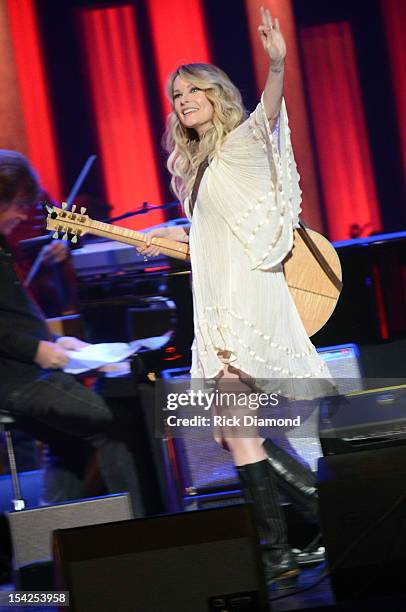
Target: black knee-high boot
{"type": "Point", "coordinates": [295, 480]}
{"type": "Point", "coordinates": [259, 488]}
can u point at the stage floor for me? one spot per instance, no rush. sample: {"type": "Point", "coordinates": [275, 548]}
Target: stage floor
{"type": "Point", "coordinates": [282, 599]}
{"type": "Point", "coordinates": [303, 596]}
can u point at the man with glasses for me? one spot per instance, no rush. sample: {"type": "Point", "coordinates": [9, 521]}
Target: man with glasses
{"type": "Point", "coordinates": [47, 403]}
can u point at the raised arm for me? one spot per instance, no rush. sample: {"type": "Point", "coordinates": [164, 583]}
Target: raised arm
{"type": "Point", "coordinates": [274, 45]}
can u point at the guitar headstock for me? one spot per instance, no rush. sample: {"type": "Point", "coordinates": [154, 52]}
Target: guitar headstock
{"type": "Point", "coordinates": [67, 222]}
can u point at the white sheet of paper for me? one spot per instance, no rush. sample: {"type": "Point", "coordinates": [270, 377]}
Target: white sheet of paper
{"type": "Point", "coordinates": [96, 355]}
{"type": "Point", "coordinates": [153, 344]}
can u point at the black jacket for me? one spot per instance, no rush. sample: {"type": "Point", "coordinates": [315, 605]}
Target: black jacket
{"type": "Point", "coordinates": [22, 326]}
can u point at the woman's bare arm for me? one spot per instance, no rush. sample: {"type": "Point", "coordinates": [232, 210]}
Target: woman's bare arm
{"type": "Point", "coordinates": [275, 46]}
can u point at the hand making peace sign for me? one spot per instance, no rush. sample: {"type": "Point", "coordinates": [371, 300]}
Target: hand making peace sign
{"type": "Point", "coordinates": [271, 37]}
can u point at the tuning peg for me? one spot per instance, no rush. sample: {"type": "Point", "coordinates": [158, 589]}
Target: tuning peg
{"type": "Point", "coordinates": [65, 236]}
{"type": "Point", "coordinates": [74, 239]}
{"type": "Point", "coordinates": [55, 235]}
{"type": "Point", "coordinates": [64, 205]}
{"type": "Point", "coordinates": [73, 207]}
{"type": "Point", "coordinates": [82, 210]}
{"type": "Point", "coordinates": [48, 208]}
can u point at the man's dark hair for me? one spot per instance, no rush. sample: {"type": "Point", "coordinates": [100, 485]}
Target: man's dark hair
{"type": "Point", "coordinates": [17, 178]}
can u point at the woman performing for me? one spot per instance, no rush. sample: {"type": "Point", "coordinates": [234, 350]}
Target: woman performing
{"type": "Point", "coordinates": [237, 180]}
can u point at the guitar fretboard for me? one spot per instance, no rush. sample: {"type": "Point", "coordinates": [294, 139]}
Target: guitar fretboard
{"type": "Point", "coordinates": [80, 224]}
{"type": "Point", "coordinates": [114, 231]}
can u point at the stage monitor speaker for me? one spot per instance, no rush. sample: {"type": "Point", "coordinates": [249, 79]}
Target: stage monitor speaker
{"type": "Point", "coordinates": [203, 561]}
{"type": "Point", "coordinates": [31, 529]}
{"type": "Point", "coordinates": [362, 511]}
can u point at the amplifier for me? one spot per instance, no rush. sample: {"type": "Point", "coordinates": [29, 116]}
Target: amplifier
{"type": "Point", "coordinates": [363, 420]}
{"type": "Point", "coordinates": [202, 467]}
{"type": "Point", "coordinates": [196, 461]}
{"type": "Point", "coordinates": [343, 361]}
{"type": "Point", "coordinates": [31, 529]}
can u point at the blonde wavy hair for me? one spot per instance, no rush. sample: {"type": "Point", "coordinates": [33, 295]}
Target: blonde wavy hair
{"type": "Point", "coordinates": [185, 150]}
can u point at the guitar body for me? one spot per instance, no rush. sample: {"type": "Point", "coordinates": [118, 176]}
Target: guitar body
{"type": "Point", "coordinates": [314, 294]}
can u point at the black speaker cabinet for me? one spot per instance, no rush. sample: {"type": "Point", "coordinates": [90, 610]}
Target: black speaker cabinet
{"type": "Point", "coordinates": [363, 516]}
{"type": "Point", "coordinates": [198, 561]}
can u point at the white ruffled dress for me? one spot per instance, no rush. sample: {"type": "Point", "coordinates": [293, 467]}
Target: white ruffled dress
{"type": "Point", "coordinates": [242, 229]}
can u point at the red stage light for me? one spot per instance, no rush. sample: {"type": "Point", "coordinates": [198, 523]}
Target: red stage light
{"type": "Point", "coordinates": [34, 94]}
{"type": "Point", "coordinates": [119, 100]}
{"type": "Point", "coordinates": [340, 132]}
{"type": "Point", "coordinates": [394, 18]}
{"type": "Point", "coordinates": [179, 37]}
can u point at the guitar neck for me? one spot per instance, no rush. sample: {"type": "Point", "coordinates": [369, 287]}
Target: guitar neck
{"type": "Point", "coordinates": [171, 248]}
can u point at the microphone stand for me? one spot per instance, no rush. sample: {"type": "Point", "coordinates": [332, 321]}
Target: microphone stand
{"type": "Point", "coordinates": [76, 186]}
{"type": "Point", "coordinates": [146, 208]}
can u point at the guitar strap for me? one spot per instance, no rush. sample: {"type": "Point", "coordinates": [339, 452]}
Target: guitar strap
{"type": "Point", "coordinates": [318, 255]}
{"type": "Point", "coordinates": [200, 171]}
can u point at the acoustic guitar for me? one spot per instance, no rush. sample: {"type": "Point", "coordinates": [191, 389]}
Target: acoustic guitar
{"type": "Point", "coordinates": [312, 268]}
{"type": "Point", "coordinates": [313, 274]}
